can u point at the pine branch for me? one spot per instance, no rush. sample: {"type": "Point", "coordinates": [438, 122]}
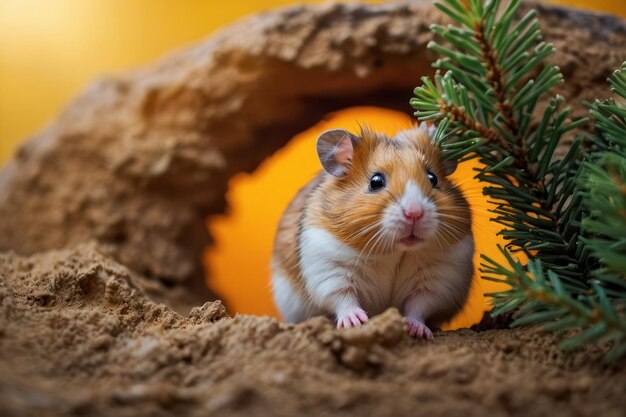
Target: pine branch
{"type": "Point", "coordinates": [542, 300]}
{"type": "Point", "coordinates": [485, 103]}
{"type": "Point", "coordinates": [610, 117]}
{"type": "Point", "coordinates": [606, 198]}
{"type": "Point", "coordinates": [604, 183]}
{"type": "Point", "coordinates": [495, 79]}
{"type": "Point", "coordinates": [489, 98]}
{"type": "Point", "coordinates": [600, 311]}
{"type": "Point", "coordinates": [492, 77]}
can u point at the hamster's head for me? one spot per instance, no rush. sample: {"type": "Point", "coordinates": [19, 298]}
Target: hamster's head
{"type": "Point", "coordinates": [389, 194]}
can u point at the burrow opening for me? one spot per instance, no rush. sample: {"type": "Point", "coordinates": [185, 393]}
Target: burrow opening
{"type": "Point", "coordinates": [238, 263]}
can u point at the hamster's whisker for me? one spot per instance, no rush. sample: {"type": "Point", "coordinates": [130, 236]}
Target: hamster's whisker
{"type": "Point", "coordinates": [459, 187]}
{"type": "Point", "coordinates": [385, 242]}
{"type": "Point", "coordinates": [439, 239]}
{"type": "Point", "coordinates": [475, 215]}
{"type": "Point", "coordinates": [392, 239]}
{"type": "Point", "coordinates": [451, 227]}
{"type": "Point", "coordinates": [444, 236]}
{"type": "Point", "coordinates": [356, 263]}
{"type": "Point", "coordinates": [445, 231]}
{"type": "Point", "coordinates": [365, 230]}
{"type": "Point", "coordinates": [389, 240]}
{"type": "Point", "coordinates": [378, 240]}
{"type": "Point", "coordinates": [354, 238]}
{"type": "Point", "coordinates": [436, 238]}
{"type": "Point", "coordinates": [368, 241]}
{"type": "Point", "coordinates": [451, 216]}
{"type": "Point", "coordinates": [451, 231]}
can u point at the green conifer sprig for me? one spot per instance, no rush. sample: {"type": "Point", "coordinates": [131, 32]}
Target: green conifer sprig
{"type": "Point", "coordinates": [610, 116]}
{"type": "Point", "coordinates": [492, 76]}
{"type": "Point", "coordinates": [541, 297]}
{"type": "Point", "coordinates": [604, 183]}
{"type": "Point", "coordinates": [490, 98]}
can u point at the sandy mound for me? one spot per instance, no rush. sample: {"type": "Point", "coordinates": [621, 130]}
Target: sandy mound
{"type": "Point", "coordinates": [77, 337]}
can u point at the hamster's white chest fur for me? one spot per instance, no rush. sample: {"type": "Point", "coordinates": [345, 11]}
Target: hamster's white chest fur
{"type": "Point", "coordinates": [387, 280]}
{"type": "Point", "coordinates": [380, 281]}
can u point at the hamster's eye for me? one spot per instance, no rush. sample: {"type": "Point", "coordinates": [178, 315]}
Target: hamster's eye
{"type": "Point", "coordinates": [377, 182]}
{"type": "Point", "coordinates": [432, 177]}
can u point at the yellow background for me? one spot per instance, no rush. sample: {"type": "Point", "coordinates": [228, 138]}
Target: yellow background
{"type": "Point", "coordinates": [50, 49]}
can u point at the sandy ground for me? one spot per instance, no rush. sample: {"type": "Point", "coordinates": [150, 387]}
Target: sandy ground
{"type": "Point", "coordinates": [78, 337]}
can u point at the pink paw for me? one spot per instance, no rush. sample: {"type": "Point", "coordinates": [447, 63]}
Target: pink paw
{"type": "Point", "coordinates": [418, 330]}
{"type": "Point", "coordinates": [351, 318]}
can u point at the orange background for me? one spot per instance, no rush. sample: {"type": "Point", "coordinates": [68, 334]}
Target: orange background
{"type": "Point", "coordinates": [50, 49]}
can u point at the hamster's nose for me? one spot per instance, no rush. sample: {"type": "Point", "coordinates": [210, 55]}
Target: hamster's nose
{"type": "Point", "coordinates": [413, 214]}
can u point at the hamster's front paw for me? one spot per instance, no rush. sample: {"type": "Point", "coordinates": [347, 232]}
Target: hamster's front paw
{"type": "Point", "coordinates": [351, 318]}
{"type": "Point", "coordinates": [418, 330]}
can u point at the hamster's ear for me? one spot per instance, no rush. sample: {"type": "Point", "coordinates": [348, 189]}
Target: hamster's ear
{"type": "Point", "coordinates": [449, 166]}
{"type": "Point", "coordinates": [335, 149]}
{"type": "Point", "coordinates": [430, 130]}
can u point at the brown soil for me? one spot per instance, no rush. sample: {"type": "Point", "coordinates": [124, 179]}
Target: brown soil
{"type": "Point", "coordinates": [77, 337]}
{"type": "Point", "coordinates": [107, 208]}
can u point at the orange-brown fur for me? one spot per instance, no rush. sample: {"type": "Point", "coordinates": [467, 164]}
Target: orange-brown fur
{"type": "Point", "coordinates": [344, 207]}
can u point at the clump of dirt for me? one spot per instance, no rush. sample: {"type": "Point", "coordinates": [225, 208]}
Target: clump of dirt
{"type": "Point", "coordinates": [79, 337]}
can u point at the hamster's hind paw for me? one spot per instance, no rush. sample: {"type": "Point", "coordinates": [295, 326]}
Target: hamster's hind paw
{"type": "Point", "coordinates": [418, 330]}
{"type": "Point", "coordinates": [351, 318]}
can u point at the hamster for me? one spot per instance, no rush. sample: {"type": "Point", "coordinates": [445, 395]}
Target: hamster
{"type": "Point", "coordinates": [380, 226]}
